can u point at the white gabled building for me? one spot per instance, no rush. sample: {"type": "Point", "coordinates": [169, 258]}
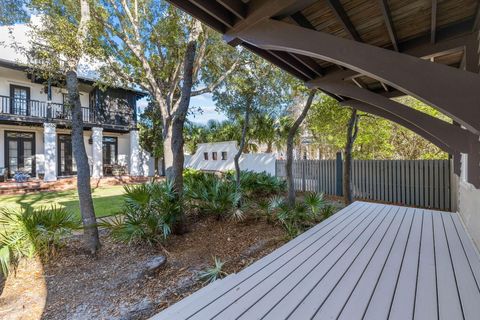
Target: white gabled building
{"type": "Point", "coordinates": [219, 156]}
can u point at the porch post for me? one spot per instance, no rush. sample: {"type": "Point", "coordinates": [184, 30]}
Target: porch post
{"type": "Point", "coordinates": [50, 151]}
{"type": "Point", "coordinates": [135, 153]}
{"type": "Point", "coordinates": [97, 152]}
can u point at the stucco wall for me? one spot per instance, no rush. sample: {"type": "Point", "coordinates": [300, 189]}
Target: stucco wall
{"type": "Point", "coordinates": [469, 209]}
{"type": "Point", "coordinates": [258, 162]}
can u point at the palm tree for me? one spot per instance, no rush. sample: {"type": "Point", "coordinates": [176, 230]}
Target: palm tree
{"type": "Point", "coordinates": [264, 130]}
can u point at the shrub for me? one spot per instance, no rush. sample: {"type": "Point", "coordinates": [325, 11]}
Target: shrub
{"type": "Point", "coordinates": [260, 183]}
{"type": "Point", "coordinates": [150, 210]}
{"type": "Point", "coordinates": [303, 216]}
{"type": "Point", "coordinates": [327, 211]}
{"type": "Point", "coordinates": [210, 275]}
{"type": "Point", "coordinates": [31, 232]}
{"type": "Point", "coordinates": [314, 201]}
{"type": "Point", "coordinates": [217, 197]}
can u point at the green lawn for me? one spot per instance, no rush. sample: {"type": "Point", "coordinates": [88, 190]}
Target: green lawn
{"type": "Point", "coordinates": [107, 200]}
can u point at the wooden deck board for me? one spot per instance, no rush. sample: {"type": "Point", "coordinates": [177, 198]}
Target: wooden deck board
{"type": "Point", "coordinates": [369, 261]}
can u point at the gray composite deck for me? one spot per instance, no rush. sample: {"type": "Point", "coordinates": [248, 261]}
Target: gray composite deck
{"type": "Point", "coordinates": [369, 261]}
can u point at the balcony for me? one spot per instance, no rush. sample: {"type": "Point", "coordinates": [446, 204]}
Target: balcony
{"type": "Point", "coordinates": [34, 111]}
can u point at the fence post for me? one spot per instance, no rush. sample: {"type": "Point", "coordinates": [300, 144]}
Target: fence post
{"type": "Point", "coordinates": [302, 162]}
{"type": "Point", "coordinates": [339, 177]}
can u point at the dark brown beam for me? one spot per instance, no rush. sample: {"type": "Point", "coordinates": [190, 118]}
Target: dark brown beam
{"type": "Point", "coordinates": [300, 19]}
{"type": "Point", "coordinates": [358, 82]}
{"type": "Point", "coordinates": [453, 136]}
{"type": "Point", "coordinates": [299, 5]}
{"type": "Point", "coordinates": [449, 33]}
{"type": "Point", "coordinates": [387, 17]}
{"type": "Point", "coordinates": [433, 28]}
{"type": "Point", "coordinates": [259, 10]}
{"type": "Point", "coordinates": [449, 90]}
{"type": "Point", "coordinates": [371, 109]}
{"type": "Point", "coordinates": [309, 63]}
{"type": "Point", "coordinates": [476, 24]}
{"type": "Point", "coordinates": [200, 14]}
{"type": "Point", "coordinates": [344, 19]}
{"type": "Point", "coordinates": [237, 7]}
{"type": "Point", "coordinates": [292, 62]}
{"type": "Point", "coordinates": [217, 11]}
{"type": "Point", "coordinates": [274, 60]}
{"type": "Point", "coordinates": [471, 57]}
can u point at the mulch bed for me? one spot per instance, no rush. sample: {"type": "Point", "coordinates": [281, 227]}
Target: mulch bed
{"type": "Point", "coordinates": [74, 285]}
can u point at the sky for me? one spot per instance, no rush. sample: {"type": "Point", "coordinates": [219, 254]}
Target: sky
{"type": "Point", "coordinates": [203, 106]}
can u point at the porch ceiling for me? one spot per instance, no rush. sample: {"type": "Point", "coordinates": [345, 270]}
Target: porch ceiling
{"type": "Point", "coordinates": [385, 47]}
{"type": "Point", "coordinates": [400, 25]}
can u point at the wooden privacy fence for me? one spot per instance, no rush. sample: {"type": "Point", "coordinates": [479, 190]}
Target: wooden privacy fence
{"type": "Point", "coordinates": [421, 183]}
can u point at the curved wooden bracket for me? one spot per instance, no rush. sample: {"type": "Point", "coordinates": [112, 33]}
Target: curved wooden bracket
{"type": "Point", "coordinates": [452, 91]}
{"type": "Point", "coordinates": [452, 136]}
{"type": "Point", "coordinates": [368, 108]}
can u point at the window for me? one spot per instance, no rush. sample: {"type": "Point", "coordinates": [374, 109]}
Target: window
{"type": "Point", "coordinates": [20, 97]}
{"type": "Point", "coordinates": [20, 152]}
{"type": "Point", "coordinates": [205, 156]}
{"type": "Point", "coordinates": [224, 155]}
{"type": "Point", "coordinates": [110, 150]}
{"type": "Point", "coordinates": [214, 155]}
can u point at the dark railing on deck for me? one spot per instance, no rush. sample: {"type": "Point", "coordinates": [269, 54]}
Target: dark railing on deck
{"type": "Point", "coordinates": [58, 111]}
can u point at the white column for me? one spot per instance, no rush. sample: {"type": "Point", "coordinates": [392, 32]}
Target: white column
{"type": "Point", "coordinates": [135, 153]}
{"type": "Point", "coordinates": [50, 150]}
{"type": "Point", "coordinates": [97, 152]}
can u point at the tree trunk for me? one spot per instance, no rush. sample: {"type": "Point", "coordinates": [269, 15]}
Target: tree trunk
{"type": "Point", "coordinates": [236, 158]}
{"type": "Point", "coordinates": [352, 131]}
{"type": "Point", "coordinates": [83, 169]}
{"type": "Point", "coordinates": [269, 147]}
{"type": "Point", "coordinates": [291, 136]}
{"type": "Point", "coordinates": [173, 127]}
{"type": "Point", "coordinates": [155, 167]}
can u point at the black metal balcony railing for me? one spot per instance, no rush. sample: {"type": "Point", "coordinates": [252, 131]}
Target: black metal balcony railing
{"type": "Point", "coordinates": [60, 112]}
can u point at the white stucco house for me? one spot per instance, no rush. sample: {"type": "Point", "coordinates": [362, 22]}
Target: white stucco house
{"type": "Point", "coordinates": [219, 156]}
{"type": "Point", "coordinates": [35, 127]}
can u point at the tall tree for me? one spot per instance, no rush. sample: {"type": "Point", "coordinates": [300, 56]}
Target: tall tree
{"type": "Point", "coordinates": [13, 11]}
{"type": "Point", "coordinates": [254, 89]}
{"type": "Point", "coordinates": [291, 135]}
{"type": "Point", "coordinates": [169, 55]}
{"type": "Point", "coordinates": [61, 40]}
{"type": "Point", "coordinates": [151, 135]}
{"type": "Point", "coordinates": [352, 132]}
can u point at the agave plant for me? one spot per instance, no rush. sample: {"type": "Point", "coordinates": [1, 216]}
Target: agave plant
{"type": "Point", "coordinates": [211, 274]}
{"type": "Point", "coordinates": [150, 210]}
{"type": "Point", "coordinates": [29, 232]}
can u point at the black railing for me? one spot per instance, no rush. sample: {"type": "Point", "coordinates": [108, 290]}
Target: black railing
{"type": "Point", "coordinates": [60, 112]}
